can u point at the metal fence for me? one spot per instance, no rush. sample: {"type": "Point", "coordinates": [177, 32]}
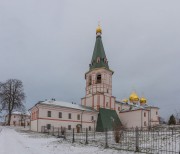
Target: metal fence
{"type": "Point", "coordinates": [146, 140]}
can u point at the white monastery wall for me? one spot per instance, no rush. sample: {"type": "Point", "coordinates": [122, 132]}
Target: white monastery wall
{"type": "Point", "coordinates": [131, 118]}
{"type": "Point", "coordinates": [154, 116]}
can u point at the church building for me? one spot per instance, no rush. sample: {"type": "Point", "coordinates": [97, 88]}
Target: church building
{"type": "Point", "coordinates": [99, 109]}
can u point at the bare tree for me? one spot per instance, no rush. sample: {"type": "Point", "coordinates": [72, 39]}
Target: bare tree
{"type": "Point", "coordinates": [118, 130]}
{"type": "Point", "coordinates": [12, 96]}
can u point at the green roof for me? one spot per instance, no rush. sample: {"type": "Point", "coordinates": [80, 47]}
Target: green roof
{"type": "Point", "coordinates": [107, 119]}
{"type": "Point", "coordinates": [99, 52]}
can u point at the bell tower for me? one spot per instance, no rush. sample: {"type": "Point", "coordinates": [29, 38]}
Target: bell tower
{"type": "Point", "coordinates": [99, 79]}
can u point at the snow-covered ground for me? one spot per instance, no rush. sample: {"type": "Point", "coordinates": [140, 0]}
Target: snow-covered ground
{"type": "Point", "coordinates": [20, 141]}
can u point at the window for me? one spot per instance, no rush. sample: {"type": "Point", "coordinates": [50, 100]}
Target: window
{"type": "Point", "coordinates": [69, 127]}
{"type": "Point", "coordinates": [48, 126]}
{"type": "Point", "coordinates": [144, 114]}
{"type": "Point", "coordinates": [92, 118]}
{"type": "Point", "coordinates": [98, 79]}
{"type": "Point", "coordinates": [60, 114]}
{"type": "Point", "coordinates": [107, 91]}
{"type": "Point", "coordinates": [98, 106]}
{"type": "Point", "coordinates": [144, 123]}
{"type": "Point", "coordinates": [98, 59]}
{"type": "Point", "coordinates": [89, 128]}
{"type": "Point", "coordinates": [78, 117]}
{"type": "Point", "coordinates": [49, 113]}
{"type": "Point", "coordinates": [119, 108]}
{"type": "Point", "coordinates": [90, 80]}
{"type": "Point", "coordinates": [14, 116]}
{"type": "Point", "coordinates": [156, 113]}
{"type": "Point", "coordinates": [69, 116]}
{"type": "Point", "coordinates": [106, 104]}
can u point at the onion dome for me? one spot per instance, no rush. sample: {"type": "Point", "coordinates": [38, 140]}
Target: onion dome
{"type": "Point", "coordinates": [125, 100]}
{"type": "Point", "coordinates": [143, 100]}
{"type": "Point", "coordinates": [98, 29]}
{"type": "Point", "coordinates": [133, 97]}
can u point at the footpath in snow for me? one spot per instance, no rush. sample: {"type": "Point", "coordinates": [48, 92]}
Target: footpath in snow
{"type": "Point", "coordinates": [26, 142]}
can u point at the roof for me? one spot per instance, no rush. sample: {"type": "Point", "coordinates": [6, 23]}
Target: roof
{"type": "Point", "coordinates": [133, 109]}
{"type": "Point", "coordinates": [107, 119]}
{"type": "Point", "coordinates": [18, 113]}
{"type": "Point", "coordinates": [99, 53]}
{"type": "Point", "coordinates": [124, 103]}
{"type": "Point", "coordinates": [66, 105]}
{"type": "Point", "coordinates": [136, 106]}
{"type": "Point", "coordinates": [150, 106]}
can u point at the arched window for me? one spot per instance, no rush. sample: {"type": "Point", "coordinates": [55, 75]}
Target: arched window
{"type": "Point", "coordinates": [98, 59]}
{"type": "Point", "coordinates": [98, 79]}
{"type": "Point", "coordinates": [90, 80]}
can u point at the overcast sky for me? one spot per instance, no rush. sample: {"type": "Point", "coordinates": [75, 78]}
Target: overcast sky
{"type": "Point", "coordinates": [49, 44]}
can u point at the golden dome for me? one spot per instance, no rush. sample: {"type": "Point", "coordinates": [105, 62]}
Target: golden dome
{"type": "Point", "coordinates": [133, 97]}
{"type": "Point", "coordinates": [125, 100]}
{"type": "Point", "coordinates": [143, 100]}
{"type": "Point", "coordinates": [98, 29]}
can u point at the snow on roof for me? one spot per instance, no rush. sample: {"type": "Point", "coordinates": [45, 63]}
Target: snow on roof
{"type": "Point", "coordinates": [150, 106]}
{"type": "Point", "coordinates": [134, 107]}
{"type": "Point", "coordinates": [17, 112]}
{"type": "Point", "coordinates": [67, 104]}
{"type": "Point", "coordinates": [137, 105]}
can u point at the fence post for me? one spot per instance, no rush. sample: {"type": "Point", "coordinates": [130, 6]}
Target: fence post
{"type": "Point", "coordinates": [53, 131]}
{"type": "Point", "coordinates": [73, 136]}
{"type": "Point", "coordinates": [94, 134]}
{"type": "Point", "coordinates": [58, 131]}
{"type": "Point", "coordinates": [137, 139]}
{"type": "Point", "coordinates": [65, 134]}
{"type": "Point", "coordinates": [179, 142]}
{"type": "Point", "coordinates": [106, 138]}
{"type": "Point", "coordinates": [86, 136]}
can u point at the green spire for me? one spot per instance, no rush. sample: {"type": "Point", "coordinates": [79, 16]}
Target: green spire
{"type": "Point", "coordinates": [99, 59]}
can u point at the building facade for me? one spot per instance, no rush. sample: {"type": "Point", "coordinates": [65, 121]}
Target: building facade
{"type": "Point", "coordinates": [99, 109]}
{"type": "Point", "coordinates": [18, 119]}
{"type": "Point", "coordinates": [60, 114]}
